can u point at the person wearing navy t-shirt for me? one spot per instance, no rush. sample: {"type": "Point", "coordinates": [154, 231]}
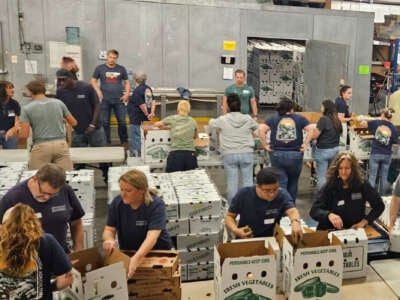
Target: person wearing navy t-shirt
{"type": "Point", "coordinates": [138, 217]}
{"type": "Point", "coordinates": [342, 106]}
{"type": "Point", "coordinates": [286, 145]}
{"type": "Point", "coordinates": [385, 135]}
{"type": "Point", "coordinates": [10, 111]}
{"type": "Point", "coordinates": [260, 207]}
{"type": "Point", "coordinates": [53, 200]}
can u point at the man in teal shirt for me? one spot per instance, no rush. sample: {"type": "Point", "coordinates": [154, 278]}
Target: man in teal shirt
{"type": "Point", "coordinates": [244, 91]}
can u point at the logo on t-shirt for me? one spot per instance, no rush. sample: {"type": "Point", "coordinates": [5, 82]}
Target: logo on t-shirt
{"type": "Point", "coordinates": [383, 134]}
{"type": "Point", "coordinates": [112, 77]}
{"type": "Point", "coordinates": [29, 287]}
{"type": "Point", "coordinates": [286, 131]}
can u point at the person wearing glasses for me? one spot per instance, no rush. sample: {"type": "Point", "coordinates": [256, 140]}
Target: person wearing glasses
{"type": "Point", "coordinates": [54, 202]}
{"type": "Point", "coordinates": [340, 203]}
{"type": "Point", "coordinates": [262, 206]}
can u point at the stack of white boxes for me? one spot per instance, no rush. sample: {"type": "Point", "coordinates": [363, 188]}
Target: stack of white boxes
{"type": "Point", "coordinates": [200, 203]}
{"type": "Point", "coordinates": [10, 174]}
{"type": "Point", "coordinates": [276, 70]}
{"type": "Point", "coordinates": [360, 143]}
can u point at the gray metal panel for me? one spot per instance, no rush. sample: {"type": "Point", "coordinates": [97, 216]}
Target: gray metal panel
{"type": "Point", "coordinates": [209, 27]}
{"type": "Point", "coordinates": [88, 15]}
{"type": "Point", "coordinates": [272, 24]}
{"type": "Point", "coordinates": [324, 64]}
{"type": "Point", "coordinates": [175, 46]}
{"type": "Point", "coordinates": [135, 30]}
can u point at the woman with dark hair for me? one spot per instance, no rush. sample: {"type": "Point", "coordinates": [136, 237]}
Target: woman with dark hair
{"type": "Point", "coordinates": [341, 103]}
{"type": "Point", "coordinates": [286, 145]}
{"type": "Point", "coordinates": [327, 133]}
{"type": "Point", "coordinates": [385, 135]}
{"type": "Point", "coordinates": [138, 217]}
{"type": "Point", "coordinates": [10, 111]}
{"type": "Point", "coordinates": [29, 257]}
{"type": "Point", "coordinates": [341, 201]}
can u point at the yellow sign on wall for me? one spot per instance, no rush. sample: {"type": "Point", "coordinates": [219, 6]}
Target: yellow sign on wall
{"type": "Point", "coordinates": [229, 45]}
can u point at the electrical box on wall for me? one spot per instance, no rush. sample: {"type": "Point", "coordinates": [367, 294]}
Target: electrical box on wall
{"type": "Point", "coordinates": [37, 48]}
{"type": "Point", "coordinates": [228, 59]}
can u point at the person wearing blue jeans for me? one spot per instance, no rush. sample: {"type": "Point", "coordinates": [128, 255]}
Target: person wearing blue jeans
{"type": "Point", "coordinates": [327, 133]}
{"type": "Point", "coordinates": [385, 136]}
{"type": "Point", "coordinates": [10, 111]}
{"type": "Point", "coordinates": [237, 145]}
{"type": "Point", "coordinates": [141, 107]}
{"type": "Point", "coordinates": [113, 94]}
{"type": "Point", "coordinates": [286, 145]}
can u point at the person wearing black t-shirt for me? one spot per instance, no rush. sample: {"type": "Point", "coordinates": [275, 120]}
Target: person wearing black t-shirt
{"type": "Point", "coordinates": [10, 111]}
{"type": "Point", "coordinates": [327, 133]}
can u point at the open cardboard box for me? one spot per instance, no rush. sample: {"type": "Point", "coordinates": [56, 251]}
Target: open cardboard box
{"type": "Point", "coordinates": [95, 279]}
{"type": "Point", "coordinates": [244, 271]}
{"type": "Point", "coordinates": [313, 267]}
{"type": "Point", "coordinates": [162, 264]}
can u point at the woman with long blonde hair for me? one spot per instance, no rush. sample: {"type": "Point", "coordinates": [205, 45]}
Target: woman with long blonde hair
{"type": "Point", "coordinates": [29, 257]}
{"type": "Point", "coordinates": [341, 201]}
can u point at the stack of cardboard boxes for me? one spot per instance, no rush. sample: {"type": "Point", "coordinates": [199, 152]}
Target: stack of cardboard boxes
{"type": "Point", "coordinates": [10, 173]}
{"type": "Point", "coordinates": [276, 70]}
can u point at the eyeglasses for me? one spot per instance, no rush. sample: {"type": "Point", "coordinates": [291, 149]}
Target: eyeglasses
{"type": "Point", "coordinates": [45, 193]}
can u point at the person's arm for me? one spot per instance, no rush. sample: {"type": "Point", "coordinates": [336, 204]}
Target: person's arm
{"type": "Point", "coordinates": [159, 124]}
{"type": "Point", "coordinates": [152, 110]}
{"type": "Point", "coordinates": [95, 105]}
{"type": "Point", "coordinates": [13, 130]}
{"type": "Point", "coordinates": [63, 281]}
{"type": "Point", "coordinates": [23, 130]}
{"type": "Point", "coordinates": [95, 85]}
{"type": "Point", "coordinates": [76, 227]}
{"type": "Point", "coordinates": [230, 223]}
{"type": "Point", "coordinates": [262, 133]}
{"type": "Point", "coordinates": [309, 134]}
{"type": "Point", "coordinates": [109, 241]}
{"type": "Point", "coordinates": [71, 120]}
{"type": "Point", "coordinates": [376, 203]}
{"type": "Point", "coordinates": [143, 108]}
{"type": "Point", "coordinates": [127, 91]}
{"type": "Point", "coordinates": [294, 217]}
{"type": "Point", "coordinates": [253, 104]}
{"type": "Point", "coordinates": [224, 105]}
{"type": "Point", "coordinates": [320, 210]}
{"type": "Point", "coordinates": [148, 244]}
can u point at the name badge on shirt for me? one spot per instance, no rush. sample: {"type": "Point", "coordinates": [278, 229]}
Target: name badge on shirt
{"type": "Point", "coordinates": [340, 203]}
{"type": "Point", "coordinates": [246, 92]}
{"type": "Point", "coordinates": [11, 113]}
{"type": "Point", "coordinates": [356, 196]}
{"type": "Point", "coordinates": [140, 223]}
{"type": "Point", "coordinates": [38, 215]}
{"type": "Point", "coordinates": [269, 221]}
{"type": "Point", "coordinates": [55, 209]}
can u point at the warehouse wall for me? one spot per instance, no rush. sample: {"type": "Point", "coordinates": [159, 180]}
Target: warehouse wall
{"type": "Point", "coordinates": [180, 42]}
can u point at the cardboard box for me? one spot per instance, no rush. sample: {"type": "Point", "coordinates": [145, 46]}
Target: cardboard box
{"type": "Point", "coordinates": [161, 264]}
{"type": "Point", "coordinates": [155, 144]}
{"type": "Point", "coordinates": [200, 271]}
{"type": "Point", "coordinates": [244, 271]}
{"type": "Point", "coordinates": [202, 146]}
{"type": "Point", "coordinates": [313, 268]}
{"type": "Point", "coordinates": [199, 205]}
{"type": "Point", "coordinates": [190, 256]}
{"type": "Point", "coordinates": [151, 294]}
{"type": "Point", "coordinates": [175, 227]}
{"type": "Point", "coordinates": [355, 252]}
{"type": "Point", "coordinates": [93, 277]}
{"type": "Point", "coordinates": [183, 272]}
{"type": "Point", "coordinates": [198, 240]}
{"type": "Point", "coordinates": [205, 224]}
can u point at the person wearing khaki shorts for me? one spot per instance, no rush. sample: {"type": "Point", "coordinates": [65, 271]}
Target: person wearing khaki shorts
{"type": "Point", "coordinates": [46, 117]}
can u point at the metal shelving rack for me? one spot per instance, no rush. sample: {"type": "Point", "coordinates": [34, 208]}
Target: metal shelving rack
{"type": "Point", "coordinates": [394, 59]}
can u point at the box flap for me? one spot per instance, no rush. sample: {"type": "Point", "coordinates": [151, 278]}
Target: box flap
{"type": "Point", "coordinates": [310, 240]}
{"type": "Point", "coordinates": [86, 260]}
{"type": "Point", "coordinates": [245, 249]}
